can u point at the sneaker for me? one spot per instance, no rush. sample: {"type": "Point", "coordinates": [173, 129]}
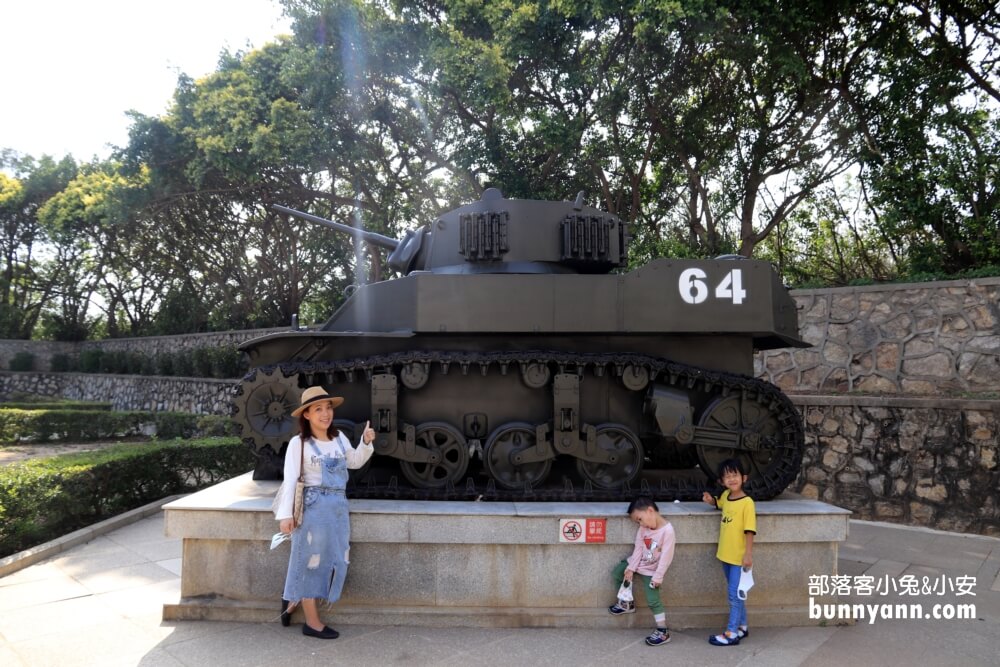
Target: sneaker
{"type": "Point", "coordinates": [619, 608]}
{"type": "Point", "coordinates": [658, 637]}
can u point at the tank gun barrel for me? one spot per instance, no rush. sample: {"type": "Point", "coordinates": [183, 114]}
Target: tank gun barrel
{"type": "Point", "coordinates": [370, 237]}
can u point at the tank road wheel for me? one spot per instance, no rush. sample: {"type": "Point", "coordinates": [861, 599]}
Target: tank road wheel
{"type": "Point", "coordinates": [770, 456]}
{"type": "Point", "coordinates": [453, 457]}
{"type": "Point", "coordinates": [627, 450]}
{"type": "Point", "coordinates": [499, 453]}
{"type": "Point", "coordinates": [264, 410]}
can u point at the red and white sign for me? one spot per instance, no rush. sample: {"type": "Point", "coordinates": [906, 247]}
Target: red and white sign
{"type": "Point", "coordinates": [583, 531]}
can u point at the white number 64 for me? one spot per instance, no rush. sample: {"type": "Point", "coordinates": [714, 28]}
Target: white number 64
{"type": "Point", "coordinates": [693, 289]}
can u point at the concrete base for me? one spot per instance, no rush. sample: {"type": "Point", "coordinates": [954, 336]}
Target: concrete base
{"type": "Point", "coordinates": [464, 564]}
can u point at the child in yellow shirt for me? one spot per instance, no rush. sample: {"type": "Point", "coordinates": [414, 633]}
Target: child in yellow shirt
{"type": "Point", "coordinates": [736, 533]}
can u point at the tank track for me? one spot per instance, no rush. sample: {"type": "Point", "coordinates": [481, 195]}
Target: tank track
{"type": "Point", "coordinates": [684, 377]}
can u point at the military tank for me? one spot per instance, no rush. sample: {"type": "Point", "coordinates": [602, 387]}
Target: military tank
{"type": "Point", "coordinates": [514, 358]}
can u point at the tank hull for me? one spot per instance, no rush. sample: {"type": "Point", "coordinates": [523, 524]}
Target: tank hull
{"type": "Point", "coordinates": [544, 385]}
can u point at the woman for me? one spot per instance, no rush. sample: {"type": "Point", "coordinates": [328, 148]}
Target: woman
{"type": "Point", "coordinates": [320, 546]}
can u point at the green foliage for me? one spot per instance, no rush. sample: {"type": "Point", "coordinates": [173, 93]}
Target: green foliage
{"type": "Point", "coordinates": [227, 362]}
{"type": "Point", "coordinates": [182, 311]}
{"type": "Point", "coordinates": [63, 363]}
{"type": "Point", "coordinates": [183, 363]}
{"type": "Point", "coordinates": [22, 361]}
{"type": "Point", "coordinates": [113, 361]}
{"type": "Point", "coordinates": [77, 425]}
{"type": "Point", "coordinates": [48, 403]}
{"type": "Point", "coordinates": [90, 360]}
{"type": "Point", "coordinates": [70, 326]}
{"type": "Point", "coordinates": [216, 425]}
{"type": "Point", "coordinates": [165, 363]}
{"type": "Point", "coordinates": [826, 244]}
{"type": "Point", "coordinates": [46, 498]}
{"type": "Point", "coordinates": [202, 362]}
{"type": "Point", "coordinates": [32, 276]}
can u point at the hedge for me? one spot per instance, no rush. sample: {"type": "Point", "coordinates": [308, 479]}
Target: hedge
{"type": "Point", "coordinates": [46, 498]}
{"type": "Point", "coordinates": [210, 362]}
{"type": "Point", "coordinates": [54, 405]}
{"type": "Point", "coordinates": [86, 425]}
{"type": "Point", "coordinates": [22, 361]}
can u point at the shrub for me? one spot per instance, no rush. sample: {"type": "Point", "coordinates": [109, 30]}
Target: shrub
{"type": "Point", "coordinates": [134, 362]}
{"type": "Point", "coordinates": [46, 498]}
{"type": "Point", "coordinates": [165, 363]}
{"type": "Point", "coordinates": [115, 361]}
{"type": "Point", "coordinates": [184, 363]}
{"type": "Point", "coordinates": [48, 403]}
{"type": "Point", "coordinates": [148, 366]}
{"type": "Point", "coordinates": [22, 361]}
{"type": "Point", "coordinates": [90, 361]}
{"type": "Point", "coordinates": [216, 425]}
{"type": "Point", "coordinates": [227, 362]}
{"type": "Point", "coordinates": [62, 363]}
{"type": "Point", "coordinates": [202, 360]}
{"type": "Point", "coordinates": [88, 425]}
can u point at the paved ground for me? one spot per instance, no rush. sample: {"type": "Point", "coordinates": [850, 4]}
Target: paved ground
{"type": "Point", "coordinates": [100, 603]}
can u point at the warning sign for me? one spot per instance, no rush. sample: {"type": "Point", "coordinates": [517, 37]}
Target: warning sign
{"type": "Point", "coordinates": [583, 531]}
{"type": "Point", "coordinates": [571, 530]}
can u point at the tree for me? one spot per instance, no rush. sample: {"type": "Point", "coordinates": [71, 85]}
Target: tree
{"type": "Point", "coordinates": [101, 244]}
{"type": "Point", "coordinates": [27, 279]}
{"type": "Point", "coordinates": [926, 103]}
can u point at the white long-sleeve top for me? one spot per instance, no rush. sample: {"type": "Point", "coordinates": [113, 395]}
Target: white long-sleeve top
{"type": "Point", "coordinates": [313, 466]}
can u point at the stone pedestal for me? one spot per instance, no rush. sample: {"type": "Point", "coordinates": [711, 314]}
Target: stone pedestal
{"type": "Point", "coordinates": [493, 564]}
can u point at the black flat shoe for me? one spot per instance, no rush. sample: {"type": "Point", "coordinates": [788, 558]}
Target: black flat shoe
{"type": "Point", "coordinates": [326, 633]}
{"type": "Point", "coordinates": [286, 617]}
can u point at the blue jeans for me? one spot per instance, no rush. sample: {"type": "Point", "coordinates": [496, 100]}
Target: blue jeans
{"type": "Point", "coordinates": [737, 607]}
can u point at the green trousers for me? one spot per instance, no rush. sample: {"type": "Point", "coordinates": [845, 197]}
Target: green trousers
{"type": "Point", "coordinates": [640, 582]}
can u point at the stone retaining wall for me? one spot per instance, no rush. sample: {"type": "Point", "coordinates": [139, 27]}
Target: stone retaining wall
{"type": "Point", "coordinates": [127, 392]}
{"type": "Point", "coordinates": [929, 462]}
{"type": "Point", "coordinates": [928, 339]}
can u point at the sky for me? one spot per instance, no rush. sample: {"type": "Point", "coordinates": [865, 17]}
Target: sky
{"type": "Point", "coordinates": [72, 68]}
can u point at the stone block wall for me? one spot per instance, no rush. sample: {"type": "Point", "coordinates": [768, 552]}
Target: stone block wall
{"type": "Point", "coordinates": [127, 392]}
{"type": "Point", "coordinates": [926, 339]}
{"type": "Point", "coordinates": [930, 462]}
{"type": "Point", "coordinates": [153, 345]}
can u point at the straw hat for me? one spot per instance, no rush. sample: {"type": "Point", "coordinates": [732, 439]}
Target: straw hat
{"type": "Point", "coordinates": [314, 395]}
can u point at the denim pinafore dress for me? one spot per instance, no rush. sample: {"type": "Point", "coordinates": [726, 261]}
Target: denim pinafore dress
{"type": "Point", "coordinates": [317, 566]}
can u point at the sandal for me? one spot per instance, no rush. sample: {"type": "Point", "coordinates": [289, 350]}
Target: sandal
{"type": "Point", "coordinates": [725, 639]}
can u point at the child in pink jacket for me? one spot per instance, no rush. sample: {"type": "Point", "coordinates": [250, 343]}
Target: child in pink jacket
{"type": "Point", "coordinates": [654, 550]}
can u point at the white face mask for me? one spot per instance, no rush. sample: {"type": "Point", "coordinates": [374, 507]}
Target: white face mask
{"type": "Point", "coordinates": [279, 538]}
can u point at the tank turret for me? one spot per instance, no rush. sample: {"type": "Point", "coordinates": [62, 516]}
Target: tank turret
{"type": "Point", "coordinates": [513, 359]}
{"type": "Point", "coordinates": [497, 235]}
